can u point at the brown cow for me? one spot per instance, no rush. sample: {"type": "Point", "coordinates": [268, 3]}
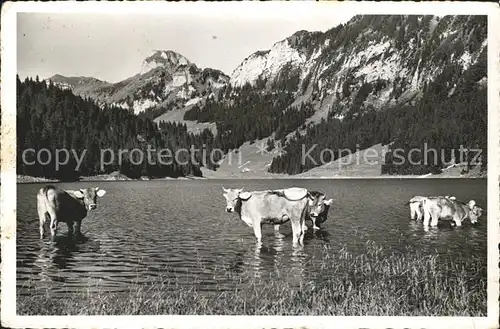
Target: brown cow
{"type": "Point", "coordinates": [69, 207]}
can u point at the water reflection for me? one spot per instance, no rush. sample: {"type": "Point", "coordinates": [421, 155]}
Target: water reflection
{"type": "Point", "coordinates": [297, 266]}
{"type": "Point", "coordinates": [321, 234]}
{"type": "Point", "coordinates": [279, 244]}
{"type": "Point", "coordinates": [44, 262]}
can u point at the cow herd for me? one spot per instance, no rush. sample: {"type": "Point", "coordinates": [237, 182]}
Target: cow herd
{"type": "Point", "coordinates": [255, 208]}
{"type": "Point", "coordinates": [443, 207]}
{"type": "Point", "coordinates": [297, 205]}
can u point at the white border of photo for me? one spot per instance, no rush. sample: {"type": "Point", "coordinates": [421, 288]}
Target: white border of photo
{"type": "Point", "coordinates": [244, 9]}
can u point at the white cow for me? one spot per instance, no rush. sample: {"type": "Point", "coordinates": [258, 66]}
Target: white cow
{"type": "Point", "coordinates": [415, 203]}
{"type": "Point", "coordinates": [436, 208]}
{"type": "Point", "coordinates": [270, 207]}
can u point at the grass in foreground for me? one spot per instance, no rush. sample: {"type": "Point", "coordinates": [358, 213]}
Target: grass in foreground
{"type": "Point", "coordinates": [375, 283]}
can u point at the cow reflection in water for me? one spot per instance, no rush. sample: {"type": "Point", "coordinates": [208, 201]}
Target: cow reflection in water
{"type": "Point", "coordinates": [59, 255]}
{"type": "Point", "coordinates": [276, 260]}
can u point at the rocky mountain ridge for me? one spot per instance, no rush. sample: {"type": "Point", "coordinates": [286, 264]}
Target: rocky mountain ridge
{"type": "Point", "coordinates": [369, 62]}
{"type": "Point", "coordinates": [372, 61]}
{"type": "Point", "coordinates": [165, 78]}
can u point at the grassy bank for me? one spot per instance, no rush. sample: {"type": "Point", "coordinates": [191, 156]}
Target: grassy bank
{"type": "Point", "coordinates": [375, 283]}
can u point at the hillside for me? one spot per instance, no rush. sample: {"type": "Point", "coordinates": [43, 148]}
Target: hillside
{"type": "Point", "coordinates": [375, 80]}
{"type": "Point", "coordinates": [80, 139]}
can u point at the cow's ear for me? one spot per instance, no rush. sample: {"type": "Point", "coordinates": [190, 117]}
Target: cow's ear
{"type": "Point", "coordinates": [245, 195]}
{"type": "Point", "coordinates": [100, 193]}
{"type": "Point", "coordinates": [452, 198]}
{"type": "Point", "coordinates": [328, 202]}
{"type": "Point", "coordinates": [472, 203]}
{"type": "Point", "coordinates": [78, 194]}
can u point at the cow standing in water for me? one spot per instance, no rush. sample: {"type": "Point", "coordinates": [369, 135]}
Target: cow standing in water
{"type": "Point", "coordinates": [436, 208]}
{"type": "Point", "coordinates": [317, 210]}
{"type": "Point", "coordinates": [270, 207]}
{"type": "Point", "coordinates": [69, 207]}
{"type": "Point", "coordinates": [416, 210]}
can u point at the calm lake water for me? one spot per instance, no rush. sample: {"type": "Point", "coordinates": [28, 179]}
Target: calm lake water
{"type": "Point", "coordinates": [179, 230]}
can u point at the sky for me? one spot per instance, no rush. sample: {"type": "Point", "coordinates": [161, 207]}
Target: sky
{"type": "Point", "coordinates": [111, 47]}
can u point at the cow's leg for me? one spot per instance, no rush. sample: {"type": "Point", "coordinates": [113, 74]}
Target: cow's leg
{"type": "Point", "coordinates": [53, 223]}
{"type": "Point", "coordinates": [418, 212]}
{"type": "Point", "coordinates": [276, 228]}
{"type": "Point", "coordinates": [41, 215]}
{"type": "Point", "coordinates": [70, 228]}
{"type": "Point", "coordinates": [53, 228]}
{"type": "Point", "coordinates": [77, 226]}
{"type": "Point", "coordinates": [413, 213]}
{"type": "Point", "coordinates": [41, 229]}
{"type": "Point", "coordinates": [302, 233]}
{"type": "Point", "coordinates": [427, 216]}
{"type": "Point", "coordinates": [296, 231]}
{"type": "Point", "coordinates": [304, 227]}
{"type": "Point", "coordinates": [42, 222]}
{"type": "Point", "coordinates": [434, 221]}
{"type": "Point", "coordinates": [315, 227]}
{"type": "Point", "coordinates": [257, 231]}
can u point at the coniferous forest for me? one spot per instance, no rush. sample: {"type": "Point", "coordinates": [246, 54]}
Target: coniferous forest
{"type": "Point", "coordinates": [53, 119]}
{"type": "Point", "coordinates": [444, 122]}
{"type": "Point", "coordinates": [449, 115]}
{"type": "Point", "coordinates": [246, 114]}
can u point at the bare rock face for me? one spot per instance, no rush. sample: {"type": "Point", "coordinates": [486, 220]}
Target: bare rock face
{"type": "Point", "coordinates": [372, 61]}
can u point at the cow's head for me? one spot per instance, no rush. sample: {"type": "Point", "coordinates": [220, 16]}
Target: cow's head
{"type": "Point", "coordinates": [318, 204]}
{"type": "Point", "coordinates": [232, 198]}
{"type": "Point", "coordinates": [89, 196]}
{"type": "Point", "coordinates": [475, 211]}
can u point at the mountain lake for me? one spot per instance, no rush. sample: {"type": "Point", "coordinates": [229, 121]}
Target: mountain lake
{"type": "Point", "coordinates": [178, 230]}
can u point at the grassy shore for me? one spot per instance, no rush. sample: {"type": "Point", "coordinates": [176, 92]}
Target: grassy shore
{"type": "Point", "coordinates": [375, 283]}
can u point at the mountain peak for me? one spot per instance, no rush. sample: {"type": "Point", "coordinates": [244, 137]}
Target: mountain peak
{"type": "Point", "coordinates": [168, 59]}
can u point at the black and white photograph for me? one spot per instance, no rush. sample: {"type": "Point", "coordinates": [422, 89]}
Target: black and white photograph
{"type": "Point", "coordinates": [304, 163]}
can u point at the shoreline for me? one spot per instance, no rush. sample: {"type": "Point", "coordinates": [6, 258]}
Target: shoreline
{"type": "Point", "coordinates": [23, 179]}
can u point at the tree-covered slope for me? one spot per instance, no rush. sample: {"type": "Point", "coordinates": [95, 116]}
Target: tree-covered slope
{"type": "Point", "coordinates": [51, 119]}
